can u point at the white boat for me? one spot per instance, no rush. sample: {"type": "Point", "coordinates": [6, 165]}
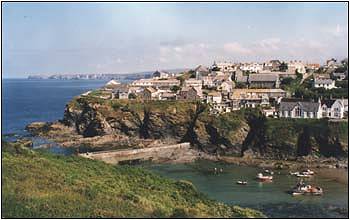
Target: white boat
{"type": "Point", "coordinates": [294, 173]}
{"type": "Point", "coordinates": [261, 177]}
{"type": "Point", "coordinates": [240, 182]}
{"type": "Point", "coordinates": [303, 175]}
{"type": "Point", "coordinates": [308, 172]}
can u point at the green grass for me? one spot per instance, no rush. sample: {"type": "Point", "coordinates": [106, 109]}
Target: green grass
{"type": "Point", "coordinates": [41, 185]}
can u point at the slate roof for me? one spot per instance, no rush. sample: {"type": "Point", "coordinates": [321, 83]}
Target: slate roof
{"type": "Point", "coordinates": [328, 102]}
{"type": "Point", "coordinates": [121, 88]}
{"type": "Point", "coordinates": [201, 68]}
{"type": "Point", "coordinates": [287, 105]}
{"type": "Point", "coordinates": [263, 77]}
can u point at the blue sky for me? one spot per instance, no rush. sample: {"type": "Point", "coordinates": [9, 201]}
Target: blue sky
{"type": "Point", "coordinates": [63, 38]}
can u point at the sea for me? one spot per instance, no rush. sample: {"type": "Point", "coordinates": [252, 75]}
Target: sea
{"type": "Point", "coordinates": [25, 101]}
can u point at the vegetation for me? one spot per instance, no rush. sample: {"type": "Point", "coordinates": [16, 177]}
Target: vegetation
{"type": "Point", "coordinates": [42, 185]}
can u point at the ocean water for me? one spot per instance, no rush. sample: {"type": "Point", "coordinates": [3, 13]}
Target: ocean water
{"type": "Point", "coordinates": [25, 101]}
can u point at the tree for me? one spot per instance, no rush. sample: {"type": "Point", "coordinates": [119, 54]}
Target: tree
{"type": "Point", "coordinates": [132, 96]}
{"type": "Point", "coordinates": [175, 88]}
{"type": "Point", "coordinates": [287, 81]}
{"type": "Point", "coordinates": [283, 67]}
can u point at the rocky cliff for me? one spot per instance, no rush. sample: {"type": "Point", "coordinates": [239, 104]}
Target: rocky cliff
{"type": "Point", "coordinates": [236, 133]}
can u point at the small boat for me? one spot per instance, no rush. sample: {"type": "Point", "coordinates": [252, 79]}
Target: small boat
{"type": "Point", "coordinates": [308, 172]}
{"type": "Point", "coordinates": [261, 177]}
{"type": "Point", "coordinates": [240, 182]}
{"type": "Point", "coordinates": [294, 173]}
{"type": "Point", "coordinates": [268, 171]}
{"type": "Point", "coordinates": [303, 175]}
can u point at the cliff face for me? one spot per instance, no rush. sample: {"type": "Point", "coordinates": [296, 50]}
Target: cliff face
{"type": "Point", "coordinates": [179, 121]}
{"type": "Point", "coordinates": [230, 133]}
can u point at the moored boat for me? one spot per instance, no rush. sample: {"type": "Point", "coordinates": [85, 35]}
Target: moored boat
{"type": "Point", "coordinates": [261, 177]}
{"type": "Point", "coordinates": [303, 189]}
{"type": "Point", "coordinates": [240, 182]}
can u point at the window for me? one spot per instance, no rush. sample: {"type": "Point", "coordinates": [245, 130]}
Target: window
{"type": "Point", "coordinates": [297, 112]}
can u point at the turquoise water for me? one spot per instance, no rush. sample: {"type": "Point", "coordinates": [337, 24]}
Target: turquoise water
{"type": "Point", "coordinates": [271, 198]}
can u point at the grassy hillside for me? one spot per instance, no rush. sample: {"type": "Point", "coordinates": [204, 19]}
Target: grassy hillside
{"type": "Point", "coordinates": [42, 185]}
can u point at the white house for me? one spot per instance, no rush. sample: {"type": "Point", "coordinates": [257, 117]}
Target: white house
{"type": "Point", "coordinates": [333, 108]}
{"type": "Point", "coordinates": [324, 83]}
{"type": "Point", "coordinates": [300, 109]}
{"type": "Point", "coordinates": [214, 97]}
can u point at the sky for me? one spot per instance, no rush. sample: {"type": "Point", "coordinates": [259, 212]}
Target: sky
{"type": "Point", "coordinates": [52, 38]}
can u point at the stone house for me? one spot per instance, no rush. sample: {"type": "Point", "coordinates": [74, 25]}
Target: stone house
{"type": "Point", "coordinates": [214, 97]}
{"type": "Point", "coordinates": [188, 93]}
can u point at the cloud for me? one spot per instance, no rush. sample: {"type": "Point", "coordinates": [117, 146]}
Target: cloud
{"type": "Point", "coordinates": [236, 48]}
{"type": "Point", "coordinates": [335, 31]}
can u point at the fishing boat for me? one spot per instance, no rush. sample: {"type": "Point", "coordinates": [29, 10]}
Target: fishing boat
{"type": "Point", "coordinates": [303, 189]}
{"type": "Point", "coordinates": [261, 177]}
{"type": "Point", "coordinates": [240, 182]}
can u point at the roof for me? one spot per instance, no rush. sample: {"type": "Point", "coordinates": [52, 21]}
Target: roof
{"type": "Point", "coordinates": [328, 102]}
{"type": "Point", "coordinates": [263, 77]}
{"type": "Point", "coordinates": [113, 82]}
{"type": "Point", "coordinates": [253, 93]}
{"type": "Point", "coordinates": [242, 79]}
{"type": "Point", "coordinates": [288, 105]}
{"type": "Point", "coordinates": [121, 88]}
{"type": "Point", "coordinates": [323, 81]}
{"type": "Point", "coordinates": [201, 68]}
{"type": "Point", "coordinates": [151, 89]}
{"type": "Point", "coordinates": [338, 74]}
{"type": "Point", "coordinates": [216, 94]}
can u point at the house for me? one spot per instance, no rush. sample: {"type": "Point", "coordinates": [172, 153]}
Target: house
{"type": "Point", "coordinates": [167, 95]}
{"type": "Point", "coordinates": [189, 93]}
{"type": "Point", "coordinates": [208, 81]}
{"type": "Point", "coordinates": [269, 112]}
{"type": "Point", "coordinates": [150, 93]}
{"type": "Point", "coordinates": [223, 66]}
{"type": "Point", "coordinates": [193, 82]}
{"type": "Point", "coordinates": [158, 83]}
{"type": "Point", "coordinates": [201, 71]}
{"type": "Point", "coordinates": [121, 91]}
{"type": "Point", "coordinates": [214, 97]}
{"type": "Point", "coordinates": [272, 65]}
{"type": "Point", "coordinates": [241, 94]}
{"type": "Point", "coordinates": [331, 63]}
{"type": "Point", "coordinates": [226, 86]}
{"type": "Point", "coordinates": [333, 108]}
{"type": "Point", "coordinates": [296, 66]}
{"type": "Point", "coordinates": [339, 76]}
{"type": "Point", "coordinates": [293, 108]}
{"type": "Point", "coordinates": [263, 81]}
{"type": "Point", "coordinates": [324, 83]}
{"type": "Point", "coordinates": [218, 80]}
{"type": "Point", "coordinates": [252, 67]}
{"type": "Point", "coordinates": [161, 75]}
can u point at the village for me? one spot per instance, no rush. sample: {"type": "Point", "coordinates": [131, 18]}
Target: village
{"type": "Point", "coordinates": [276, 87]}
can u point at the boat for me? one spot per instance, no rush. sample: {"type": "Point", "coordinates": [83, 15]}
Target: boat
{"type": "Point", "coordinates": [303, 189]}
{"type": "Point", "coordinates": [308, 172]}
{"type": "Point", "coordinates": [294, 173]}
{"type": "Point", "coordinates": [268, 171]}
{"type": "Point", "coordinates": [261, 177]}
{"type": "Point", "coordinates": [303, 175]}
{"type": "Point", "coordinates": [240, 182]}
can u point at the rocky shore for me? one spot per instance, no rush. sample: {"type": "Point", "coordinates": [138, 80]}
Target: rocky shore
{"type": "Point", "coordinates": [243, 137]}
